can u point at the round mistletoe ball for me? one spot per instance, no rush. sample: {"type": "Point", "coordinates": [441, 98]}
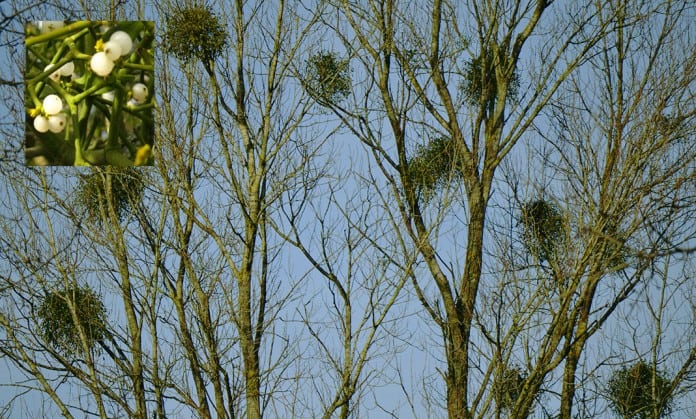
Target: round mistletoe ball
{"type": "Point", "coordinates": [108, 96]}
{"type": "Point", "coordinates": [195, 32]}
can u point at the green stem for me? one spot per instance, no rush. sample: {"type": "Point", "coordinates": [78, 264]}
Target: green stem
{"type": "Point", "coordinates": [34, 98]}
{"type": "Point", "coordinates": [113, 153]}
{"type": "Point", "coordinates": [79, 159]}
{"type": "Point", "coordinates": [96, 86]}
{"type": "Point", "coordinates": [73, 27]}
{"type": "Point", "coordinates": [144, 67]}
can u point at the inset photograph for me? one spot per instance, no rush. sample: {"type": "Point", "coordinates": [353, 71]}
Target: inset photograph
{"type": "Point", "coordinates": [89, 93]}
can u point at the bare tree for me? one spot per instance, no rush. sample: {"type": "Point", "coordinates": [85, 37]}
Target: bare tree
{"type": "Point", "coordinates": [357, 324]}
{"type": "Point", "coordinates": [626, 155]}
{"type": "Point", "coordinates": [177, 290]}
{"type": "Point", "coordinates": [454, 76]}
{"type": "Point", "coordinates": [184, 264]}
{"type": "Point", "coordinates": [609, 210]}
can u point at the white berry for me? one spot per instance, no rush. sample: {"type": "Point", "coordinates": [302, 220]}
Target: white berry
{"type": "Point", "coordinates": [41, 123]}
{"type": "Point", "coordinates": [124, 40]}
{"type": "Point", "coordinates": [55, 76]}
{"type": "Point", "coordinates": [56, 123]}
{"type": "Point", "coordinates": [139, 92]}
{"type": "Point", "coordinates": [112, 49]}
{"type": "Point", "coordinates": [67, 69]}
{"type": "Point", "coordinates": [52, 104]}
{"type": "Point", "coordinates": [101, 64]}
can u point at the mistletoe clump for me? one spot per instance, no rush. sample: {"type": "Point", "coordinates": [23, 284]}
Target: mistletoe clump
{"type": "Point", "coordinates": [66, 314]}
{"type": "Point", "coordinates": [640, 391]}
{"type": "Point", "coordinates": [544, 229]}
{"type": "Point", "coordinates": [195, 32]}
{"type": "Point", "coordinates": [481, 82]}
{"type": "Point", "coordinates": [120, 187]}
{"type": "Point", "coordinates": [328, 77]}
{"type": "Point", "coordinates": [433, 165]}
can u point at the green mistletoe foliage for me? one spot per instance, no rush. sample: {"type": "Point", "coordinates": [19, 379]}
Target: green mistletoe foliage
{"type": "Point", "coordinates": [195, 32]}
{"type": "Point", "coordinates": [120, 187]}
{"type": "Point", "coordinates": [481, 81]}
{"type": "Point", "coordinates": [328, 78]}
{"type": "Point", "coordinates": [62, 329]}
{"type": "Point", "coordinates": [638, 391]}
{"type": "Point", "coordinates": [544, 230]}
{"type": "Point", "coordinates": [434, 165]}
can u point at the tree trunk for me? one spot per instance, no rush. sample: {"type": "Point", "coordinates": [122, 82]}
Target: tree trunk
{"type": "Point", "coordinates": [249, 340]}
{"type": "Point", "coordinates": [459, 321]}
{"type": "Point", "coordinates": [252, 384]}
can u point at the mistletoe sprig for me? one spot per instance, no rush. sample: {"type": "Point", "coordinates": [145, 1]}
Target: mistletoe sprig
{"type": "Point", "coordinates": [88, 92]}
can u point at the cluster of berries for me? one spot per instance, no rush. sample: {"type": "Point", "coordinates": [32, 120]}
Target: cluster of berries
{"type": "Point", "coordinates": [138, 95]}
{"type": "Point", "coordinates": [54, 119]}
{"type": "Point", "coordinates": [102, 63]}
{"type": "Point", "coordinates": [69, 66]}
{"type": "Point", "coordinates": [118, 45]}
